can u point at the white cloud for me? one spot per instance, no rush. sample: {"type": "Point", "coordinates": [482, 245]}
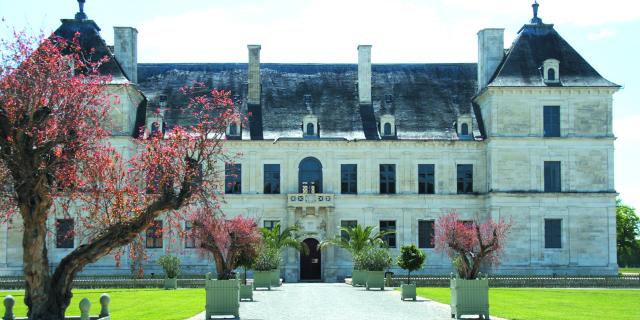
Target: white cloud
{"type": "Point", "coordinates": [626, 159]}
{"type": "Point", "coordinates": [602, 34]}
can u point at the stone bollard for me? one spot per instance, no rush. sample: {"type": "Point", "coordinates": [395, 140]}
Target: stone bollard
{"type": "Point", "coordinates": [85, 307]}
{"type": "Point", "coordinates": [104, 305]}
{"type": "Point", "coordinates": [9, 302]}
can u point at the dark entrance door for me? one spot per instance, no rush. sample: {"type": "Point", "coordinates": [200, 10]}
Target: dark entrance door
{"type": "Point", "coordinates": [311, 264]}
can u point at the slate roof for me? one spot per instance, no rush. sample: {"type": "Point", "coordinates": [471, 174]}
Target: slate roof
{"type": "Point", "coordinates": [90, 39]}
{"type": "Point", "coordinates": [426, 98]}
{"type": "Point", "coordinates": [536, 43]}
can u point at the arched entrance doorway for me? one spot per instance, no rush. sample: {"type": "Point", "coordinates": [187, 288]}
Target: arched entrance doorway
{"type": "Point", "coordinates": [310, 175]}
{"type": "Point", "coordinates": [311, 264]}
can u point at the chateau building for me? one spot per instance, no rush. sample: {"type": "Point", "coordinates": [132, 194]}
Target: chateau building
{"type": "Point", "coordinates": [525, 133]}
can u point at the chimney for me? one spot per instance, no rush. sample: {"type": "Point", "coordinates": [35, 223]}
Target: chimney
{"type": "Point", "coordinates": [126, 51]}
{"type": "Point", "coordinates": [364, 74]}
{"type": "Point", "coordinates": [254, 74]}
{"type": "Point", "coordinates": [490, 54]}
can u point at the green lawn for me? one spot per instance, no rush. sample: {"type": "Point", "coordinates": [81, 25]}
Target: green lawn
{"type": "Point", "coordinates": [528, 303]}
{"type": "Point", "coordinates": [629, 270]}
{"type": "Point", "coordinates": [141, 304]}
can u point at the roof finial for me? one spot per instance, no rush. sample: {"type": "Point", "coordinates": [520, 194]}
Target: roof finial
{"type": "Point", "coordinates": [535, 19]}
{"type": "Point", "coordinates": [81, 15]}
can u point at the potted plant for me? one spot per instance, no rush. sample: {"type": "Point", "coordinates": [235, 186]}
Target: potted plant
{"type": "Point", "coordinates": [411, 259]}
{"type": "Point", "coordinates": [225, 240]}
{"type": "Point", "coordinates": [279, 241]}
{"type": "Point", "coordinates": [266, 263]}
{"type": "Point", "coordinates": [246, 259]}
{"type": "Point", "coordinates": [355, 240]}
{"type": "Point", "coordinates": [469, 245]}
{"type": "Point", "coordinates": [375, 260]}
{"type": "Point", "coordinates": [171, 267]}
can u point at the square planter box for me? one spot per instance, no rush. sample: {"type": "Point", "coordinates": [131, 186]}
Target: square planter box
{"type": "Point", "coordinates": [170, 283]}
{"type": "Point", "coordinates": [358, 278]}
{"type": "Point", "coordinates": [408, 291]}
{"type": "Point", "coordinates": [469, 297]}
{"type": "Point", "coordinates": [223, 297]}
{"type": "Point", "coordinates": [262, 279]}
{"type": "Point", "coordinates": [275, 278]}
{"type": "Point", "coordinates": [246, 291]}
{"type": "Point", "coordinates": [375, 279]}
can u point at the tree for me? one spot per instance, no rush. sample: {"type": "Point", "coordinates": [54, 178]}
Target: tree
{"type": "Point", "coordinates": [470, 244]}
{"type": "Point", "coordinates": [357, 239]}
{"type": "Point", "coordinates": [411, 259]}
{"type": "Point", "coordinates": [628, 231]}
{"type": "Point", "coordinates": [286, 239]}
{"type": "Point", "coordinates": [229, 241]}
{"type": "Point", "coordinates": [55, 159]}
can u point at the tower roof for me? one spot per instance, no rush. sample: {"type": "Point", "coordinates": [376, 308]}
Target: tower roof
{"type": "Point", "coordinates": [535, 43]}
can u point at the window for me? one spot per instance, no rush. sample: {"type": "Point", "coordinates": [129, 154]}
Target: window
{"type": "Point", "coordinates": [349, 179]}
{"type": "Point", "coordinates": [387, 178]}
{"type": "Point", "coordinates": [552, 176]}
{"type": "Point", "coordinates": [387, 129]}
{"type": "Point", "coordinates": [426, 179]}
{"type": "Point", "coordinates": [347, 224]}
{"type": "Point", "coordinates": [271, 178]}
{"type": "Point", "coordinates": [233, 129]}
{"type": "Point", "coordinates": [551, 121]}
{"type": "Point", "coordinates": [465, 178]}
{"type": "Point", "coordinates": [388, 98]}
{"type": "Point", "coordinates": [310, 176]}
{"type": "Point", "coordinates": [464, 128]}
{"type": "Point", "coordinates": [553, 233]}
{"type": "Point", "coordinates": [232, 178]}
{"type": "Point", "coordinates": [270, 224]}
{"type": "Point", "coordinates": [389, 239]}
{"type": "Point", "coordinates": [154, 235]}
{"type": "Point", "coordinates": [310, 130]}
{"type": "Point", "coordinates": [551, 75]}
{"type": "Point", "coordinates": [189, 239]}
{"type": "Point", "coordinates": [426, 234]}
{"type": "Point", "coordinates": [64, 233]}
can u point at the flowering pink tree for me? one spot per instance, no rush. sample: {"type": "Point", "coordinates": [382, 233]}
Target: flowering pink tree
{"type": "Point", "coordinates": [225, 240]}
{"type": "Point", "coordinates": [55, 160]}
{"type": "Point", "coordinates": [470, 244]}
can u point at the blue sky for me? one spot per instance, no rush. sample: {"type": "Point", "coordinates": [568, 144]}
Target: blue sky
{"type": "Point", "coordinates": [604, 32]}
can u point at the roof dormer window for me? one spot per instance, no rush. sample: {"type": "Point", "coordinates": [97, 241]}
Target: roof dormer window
{"type": "Point", "coordinates": [310, 126]}
{"type": "Point", "coordinates": [234, 130]}
{"type": "Point", "coordinates": [464, 128]}
{"type": "Point", "coordinates": [551, 71]}
{"type": "Point", "coordinates": [387, 126]}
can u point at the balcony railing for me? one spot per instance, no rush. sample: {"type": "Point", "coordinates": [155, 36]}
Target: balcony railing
{"type": "Point", "coordinates": [311, 200]}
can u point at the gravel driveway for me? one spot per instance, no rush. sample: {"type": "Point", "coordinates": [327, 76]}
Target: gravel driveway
{"type": "Point", "coordinates": [335, 301]}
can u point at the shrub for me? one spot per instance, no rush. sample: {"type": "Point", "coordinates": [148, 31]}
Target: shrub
{"type": "Point", "coordinates": [268, 259]}
{"type": "Point", "coordinates": [375, 259]}
{"type": "Point", "coordinates": [411, 259]}
{"type": "Point", "coordinates": [171, 266]}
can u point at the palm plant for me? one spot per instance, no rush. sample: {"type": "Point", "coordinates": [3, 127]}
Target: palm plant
{"type": "Point", "coordinates": [286, 239]}
{"type": "Point", "coordinates": [357, 239]}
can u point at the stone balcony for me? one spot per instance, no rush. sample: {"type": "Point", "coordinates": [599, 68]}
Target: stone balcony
{"type": "Point", "coordinates": [316, 200]}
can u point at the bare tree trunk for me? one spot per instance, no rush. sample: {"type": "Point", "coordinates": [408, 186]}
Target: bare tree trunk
{"type": "Point", "coordinates": [49, 296]}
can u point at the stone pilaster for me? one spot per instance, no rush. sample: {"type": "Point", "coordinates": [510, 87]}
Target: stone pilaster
{"type": "Point", "coordinates": [292, 262]}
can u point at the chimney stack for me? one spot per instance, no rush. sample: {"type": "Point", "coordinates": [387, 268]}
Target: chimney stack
{"type": "Point", "coordinates": [254, 74]}
{"type": "Point", "coordinates": [364, 74]}
{"type": "Point", "coordinates": [490, 54]}
{"type": "Point", "coordinates": [126, 51]}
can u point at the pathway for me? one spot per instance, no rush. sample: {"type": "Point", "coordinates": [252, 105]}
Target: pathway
{"type": "Point", "coordinates": [335, 301]}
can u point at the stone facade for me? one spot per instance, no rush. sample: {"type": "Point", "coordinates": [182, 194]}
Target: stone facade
{"type": "Point", "coordinates": [506, 147]}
